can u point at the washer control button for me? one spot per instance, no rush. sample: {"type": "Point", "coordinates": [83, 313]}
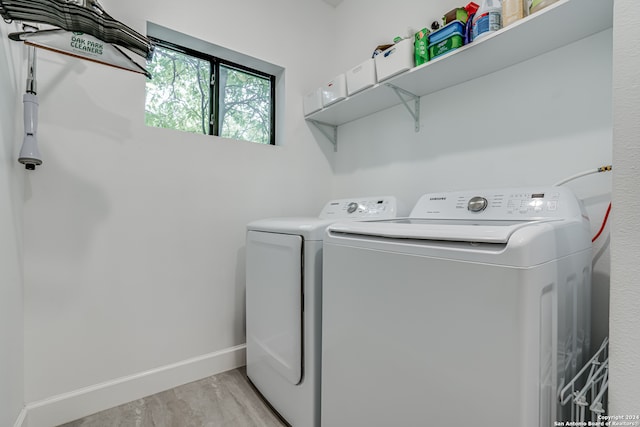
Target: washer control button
{"type": "Point", "coordinates": [477, 204]}
{"type": "Point", "coordinates": [352, 207]}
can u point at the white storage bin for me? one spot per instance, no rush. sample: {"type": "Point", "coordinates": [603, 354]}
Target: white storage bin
{"type": "Point", "coordinates": [361, 77]}
{"type": "Point", "coordinates": [335, 90]}
{"type": "Point", "coordinates": [395, 60]}
{"type": "Point", "coordinates": [312, 101]}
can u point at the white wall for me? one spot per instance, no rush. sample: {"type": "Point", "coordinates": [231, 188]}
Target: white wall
{"type": "Point", "coordinates": [11, 187]}
{"type": "Point", "coordinates": [625, 249]}
{"type": "Point", "coordinates": [534, 123]}
{"type": "Point", "coordinates": [134, 236]}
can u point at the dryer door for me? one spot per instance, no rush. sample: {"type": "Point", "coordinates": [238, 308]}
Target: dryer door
{"type": "Point", "coordinates": [274, 303]}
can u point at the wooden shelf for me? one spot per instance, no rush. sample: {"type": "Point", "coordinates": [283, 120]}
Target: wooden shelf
{"type": "Point", "coordinates": [556, 26]}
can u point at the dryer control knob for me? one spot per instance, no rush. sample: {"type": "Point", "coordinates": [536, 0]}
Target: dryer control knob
{"type": "Point", "coordinates": [352, 207]}
{"type": "Point", "coordinates": [477, 204]}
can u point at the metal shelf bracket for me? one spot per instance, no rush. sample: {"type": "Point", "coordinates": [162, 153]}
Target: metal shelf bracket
{"type": "Point", "coordinates": [331, 133]}
{"type": "Point", "coordinates": [415, 113]}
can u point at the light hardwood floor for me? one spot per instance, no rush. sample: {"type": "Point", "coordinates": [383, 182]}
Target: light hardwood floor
{"type": "Point", "coordinates": [223, 400]}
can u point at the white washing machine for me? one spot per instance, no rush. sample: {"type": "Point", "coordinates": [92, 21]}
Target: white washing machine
{"type": "Point", "coordinates": [474, 311]}
{"type": "Point", "coordinates": [283, 304]}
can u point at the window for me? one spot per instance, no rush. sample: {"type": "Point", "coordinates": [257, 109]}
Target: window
{"type": "Point", "coordinates": [196, 91]}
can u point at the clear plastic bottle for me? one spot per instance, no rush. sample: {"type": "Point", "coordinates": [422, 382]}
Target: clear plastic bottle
{"type": "Point", "coordinates": [487, 19]}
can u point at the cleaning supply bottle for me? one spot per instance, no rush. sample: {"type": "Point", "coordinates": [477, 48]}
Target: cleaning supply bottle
{"type": "Point", "coordinates": [420, 46]}
{"type": "Point", "coordinates": [487, 19]}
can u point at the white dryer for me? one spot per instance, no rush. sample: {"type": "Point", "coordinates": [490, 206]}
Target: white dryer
{"type": "Point", "coordinates": [283, 304]}
{"type": "Point", "coordinates": [475, 310]}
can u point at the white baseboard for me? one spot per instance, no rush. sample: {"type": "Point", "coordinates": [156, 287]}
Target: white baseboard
{"type": "Point", "coordinates": [21, 421]}
{"type": "Point", "coordinates": [76, 404]}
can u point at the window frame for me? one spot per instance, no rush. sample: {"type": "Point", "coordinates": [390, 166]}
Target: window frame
{"type": "Point", "coordinates": [214, 99]}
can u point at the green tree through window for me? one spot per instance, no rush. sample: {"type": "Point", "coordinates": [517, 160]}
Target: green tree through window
{"type": "Point", "coordinates": [179, 95]}
{"type": "Point", "coordinates": [183, 91]}
{"type": "Point", "coordinates": [245, 108]}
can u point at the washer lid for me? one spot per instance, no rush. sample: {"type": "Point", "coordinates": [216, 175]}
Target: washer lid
{"type": "Point", "coordinates": [480, 231]}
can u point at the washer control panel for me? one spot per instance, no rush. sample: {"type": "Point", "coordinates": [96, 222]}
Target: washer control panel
{"type": "Point", "coordinates": [500, 204]}
{"type": "Point", "coordinates": [363, 208]}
